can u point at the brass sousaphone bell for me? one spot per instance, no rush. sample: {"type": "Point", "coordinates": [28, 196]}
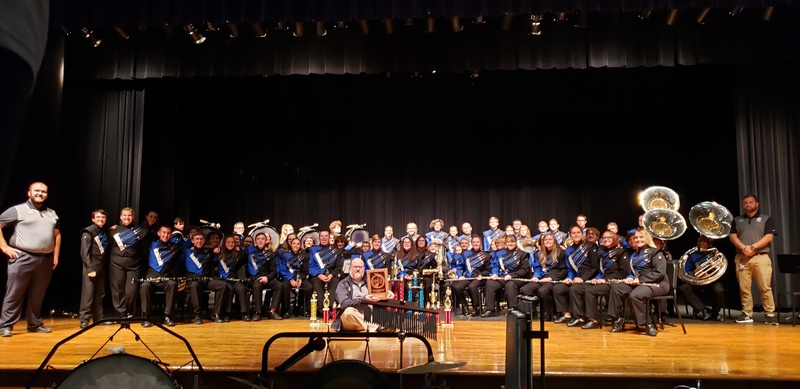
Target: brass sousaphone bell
{"type": "Point", "coordinates": [713, 221]}
{"type": "Point", "coordinates": [661, 217]}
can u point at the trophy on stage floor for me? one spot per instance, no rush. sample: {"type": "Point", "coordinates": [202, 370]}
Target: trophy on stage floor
{"type": "Point", "coordinates": [448, 308]}
{"type": "Point", "coordinates": [326, 308]}
{"type": "Point", "coordinates": [314, 308]}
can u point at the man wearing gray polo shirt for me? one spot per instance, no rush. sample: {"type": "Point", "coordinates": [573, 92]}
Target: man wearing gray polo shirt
{"type": "Point", "coordinates": [32, 253]}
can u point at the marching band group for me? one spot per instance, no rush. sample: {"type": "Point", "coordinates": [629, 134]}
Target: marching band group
{"type": "Point", "coordinates": [571, 270]}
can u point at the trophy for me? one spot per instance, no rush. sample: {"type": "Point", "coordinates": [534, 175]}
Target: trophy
{"type": "Point", "coordinates": [313, 307]}
{"type": "Point", "coordinates": [326, 308]}
{"type": "Point", "coordinates": [448, 307]}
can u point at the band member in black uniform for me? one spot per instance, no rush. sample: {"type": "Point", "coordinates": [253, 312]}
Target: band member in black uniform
{"type": "Point", "coordinates": [228, 262]}
{"type": "Point", "coordinates": [199, 264]}
{"type": "Point", "coordinates": [126, 253]}
{"type": "Point", "coordinates": [549, 268]}
{"type": "Point", "coordinates": [509, 268]}
{"type": "Point", "coordinates": [648, 265]}
{"type": "Point", "coordinates": [94, 243]}
{"type": "Point", "coordinates": [583, 264]}
{"type": "Point", "coordinates": [262, 268]}
{"type": "Point", "coordinates": [162, 259]}
{"type": "Point", "coordinates": [293, 272]}
{"type": "Point", "coordinates": [376, 258]}
{"type": "Point", "coordinates": [715, 290]}
{"type": "Point", "coordinates": [614, 266]}
{"type": "Point", "coordinates": [324, 267]}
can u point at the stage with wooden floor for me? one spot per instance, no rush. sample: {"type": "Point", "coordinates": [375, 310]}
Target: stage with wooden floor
{"type": "Point", "coordinates": [719, 355]}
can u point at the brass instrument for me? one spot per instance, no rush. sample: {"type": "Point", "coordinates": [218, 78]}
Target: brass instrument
{"type": "Point", "coordinates": [661, 217]}
{"type": "Point", "coordinates": [713, 221]}
{"type": "Point", "coordinates": [527, 245]}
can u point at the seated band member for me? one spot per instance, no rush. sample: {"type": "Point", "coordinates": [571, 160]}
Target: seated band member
{"type": "Point", "coordinates": [324, 267]}
{"type": "Point", "coordinates": [435, 260]}
{"type": "Point", "coordinates": [162, 260]}
{"type": "Point", "coordinates": [549, 267]}
{"type": "Point", "coordinates": [476, 264]}
{"type": "Point", "coordinates": [510, 267]}
{"type": "Point", "coordinates": [715, 289]}
{"type": "Point", "coordinates": [614, 266]}
{"type": "Point", "coordinates": [293, 269]}
{"type": "Point", "coordinates": [353, 297]}
{"type": "Point", "coordinates": [582, 265]}
{"type": "Point", "coordinates": [262, 268]}
{"type": "Point", "coordinates": [199, 263]}
{"type": "Point", "coordinates": [648, 265]}
{"type": "Point", "coordinates": [229, 260]}
{"type": "Point", "coordinates": [376, 258]}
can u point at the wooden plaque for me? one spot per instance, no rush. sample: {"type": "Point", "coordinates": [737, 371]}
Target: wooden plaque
{"type": "Point", "coordinates": [378, 283]}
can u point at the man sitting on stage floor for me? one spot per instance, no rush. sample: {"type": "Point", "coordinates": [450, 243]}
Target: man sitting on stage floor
{"type": "Point", "coordinates": [353, 296]}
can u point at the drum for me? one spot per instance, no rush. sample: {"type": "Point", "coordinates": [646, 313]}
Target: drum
{"type": "Point", "coordinates": [269, 230]}
{"type": "Point", "coordinates": [304, 233]}
{"type": "Point", "coordinates": [119, 371]}
{"type": "Point", "coordinates": [349, 374]}
{"type": "Point", "coordinates": [207, 229]}
{"type": "Point", "coordinates": [356, 236]}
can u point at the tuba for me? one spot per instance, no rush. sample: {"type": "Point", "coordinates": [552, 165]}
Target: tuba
{"type": "Point", "coordinates": [713, 221]}
{"type": "Point", "coordinates": [661, 217]}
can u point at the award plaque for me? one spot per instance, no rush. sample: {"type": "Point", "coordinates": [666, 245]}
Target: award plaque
{"type": "Point", "coordinates": [378, 283]}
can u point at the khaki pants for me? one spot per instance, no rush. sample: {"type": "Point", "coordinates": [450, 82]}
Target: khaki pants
{"type": "Point", "coordinates": [353, 320]}
{"type": "Point", "coordinates": [758, 268]}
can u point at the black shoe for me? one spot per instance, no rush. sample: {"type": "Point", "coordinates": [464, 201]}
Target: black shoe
{"type": "Point", "coordinates": [548, 317]}
{"type": "Point", "coordinates": [705, 315]}
{"type": "Point", "coordinates": [667, 320]}
{"type": "Point", "coordinates": [257, 317]}
{"type": "Point", "coordinates": [574, 322]}
{"type": "Point", "coordinates": [488, 314]}
{"type": "Point", "coordinates": [84, 323]}
{"type": "Point", "coordinates": [40, 329]}
{"type": "Point", "coordinates": [226, 319]}
{"type": "Point", "coordinates": [618, 325]}
{"type": "Point", "coordinates": [216, 318]}
{"type": "Point", "coordinates": [198, 320]}
{"type": "Point", "coordinates": [590, 325]}
{"type": "Point", "coordinates": [473, 313]}
{"type": "Point", "coordinates": [245, 317]}
{"type": "Point", "coordinates": [146, 324]}
{"type": "Point", "coordinates": [563, 319]}
{"type": "Point", "coordinates": [718, 318]}
{"type": "Point", "coordinates": [275, 316]}
{"type": "Point", "coordinates": [651, 329]}
{"type": "Point", "coordinates": [168, 321]}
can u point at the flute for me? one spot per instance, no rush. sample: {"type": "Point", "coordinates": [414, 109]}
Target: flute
{"type": "Point", "coordinates": [503, 279]}
{"type": "Point", "coordinates": [618, 281]}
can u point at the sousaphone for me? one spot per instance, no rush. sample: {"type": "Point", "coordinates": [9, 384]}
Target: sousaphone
{"type": "Point", "coordinates": [713, 221]}
{"type": "Point", "coordinates": [661, 217]}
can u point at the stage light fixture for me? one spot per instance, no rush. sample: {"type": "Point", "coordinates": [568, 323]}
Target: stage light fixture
{"type": "Point", "coordinates": [736, 10]}
{"type": "Point", "coordinates": [701, 19]}
{"type": "Point", "coordinates": [211, 27]}
{"type": "Point", "coordinates": [197, 37]}
{"type": "Point", "coordinates": [299, 29]}
{"type": "Point", "coordinates": [430, 25]}
{"type": "Point", "coordinates": [169, 33]}
{"type": "Point", "coordinates": [389, 25]}
{"type": "Point", "coordinates": [410, 22]}
{"type": "Point", "coordinates": [536, 24]}
{"type": "Point", "coordinates": [672, 17]}
{"type": "Point", "coordinates": [646, 13]}
{"type": "Point", "coordinates": [560, 17]}
{"type": "Point", "coordinates": [583, 20]}
{"type": "Point", "coordinates": [456, 21]}
{"type": "Point", "coordinates": [65, 30]}
{"type": "Point", "coordinates": [479, 20]}
{"type": "Point", "coordinates": [767, 15]}
{"type": "Point", "coordinates": [121, 31]}
{"type": "Point", "coordinates": [340, 25]}
{"type": "Point", "coordinates": [89, 35]}
{"type": "Point", "coordinates": [508, 17]}
{"type": "Point", "coordinates": [364, 26]}
{"type": "Point", "coordinates": [233, 30]}
{"type": "Point", "coordinates": [281, 26]}
{"type": "Point", "coordinates": [321, 30]}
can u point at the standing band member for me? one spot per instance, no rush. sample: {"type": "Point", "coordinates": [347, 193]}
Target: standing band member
{"type": "Point", "coordinates": [94, 243]}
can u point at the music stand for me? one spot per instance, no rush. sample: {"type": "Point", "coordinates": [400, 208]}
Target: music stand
{"type": "Point", "coordinates": [789, 264]}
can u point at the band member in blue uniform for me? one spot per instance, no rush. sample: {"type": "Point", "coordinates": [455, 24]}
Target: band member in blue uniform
{"type": "Point", "coordinates": [437, 232]}
{"type": "Point", "coordinates": [648, 265]}
{"type": "Point", "coordinates": [476, 264]}
{"type": "Point", "coordinates": [549, 267]}
{"type": "Point", "coordinates": [376, 258]}
{"type": "Point", "coordinates": [199, 264]}
{"type": "Point", "coordinates": [262, 271]}
{"type": "Point", "coordinates": [162, 259]}
{"type": "Point", "coordinates": [716, 290]}
{"type": "Point", "coordinates": [94, 243]}
{"type": "Point", "coordinates": [126, 254]}
{"type": "Point", "coordinates": [389, 243]}
{"type": "Point", "coordinates": [510, 267]}
{"type": "Point", "coordinates": [614, 266]}
{"type": "Point", "coordinates": [492, 233]}
{"type": "Point", "coordinates": [583, 264]}
{"type": "Point", "coordinates": [228, 262]}
{"type": "Point", "coordinates": [324, 267]}
{"type": "Point", "coordinates": [293, 272]}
